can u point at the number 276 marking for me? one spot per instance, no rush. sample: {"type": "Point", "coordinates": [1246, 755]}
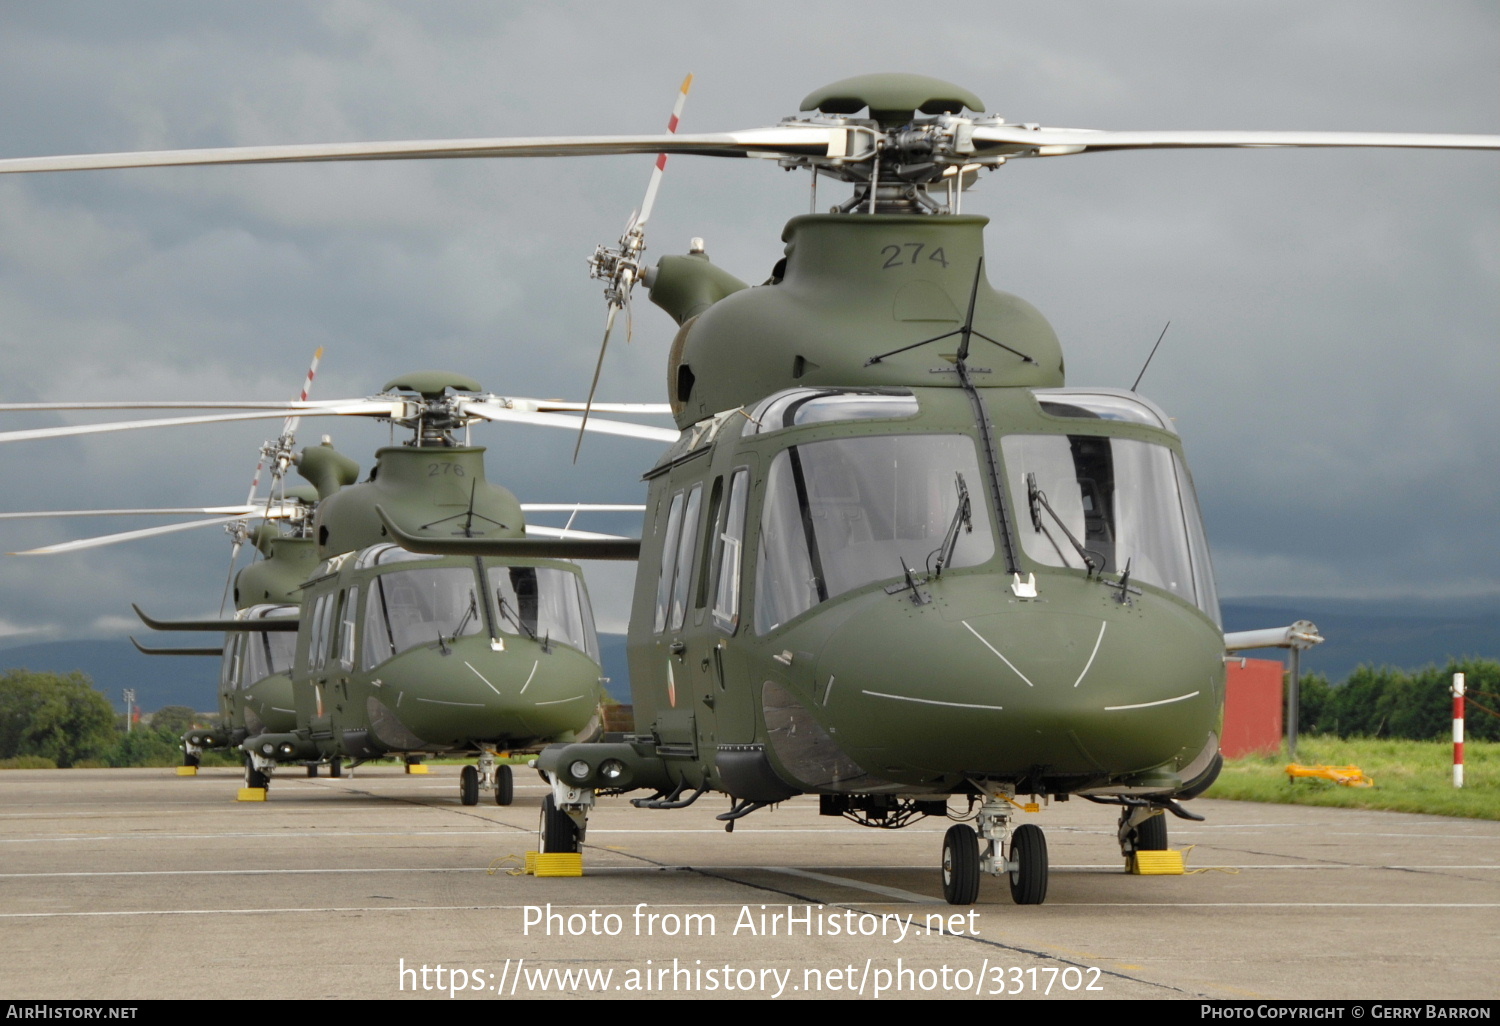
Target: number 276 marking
{"type": "Point", "coordinates": [910, 253]}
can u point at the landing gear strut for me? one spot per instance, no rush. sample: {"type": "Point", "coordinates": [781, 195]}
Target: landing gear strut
{"type": "Point", "coordinates": [1142, 828]}
{"type": "Point", "coordinates": [493, 777]}
{"type": "Point", "coordinates": [258, 771]}
{"type": "Point", "coordinates": [1020, 855]}
{"type": "Point", "coordinates": [565, 815]}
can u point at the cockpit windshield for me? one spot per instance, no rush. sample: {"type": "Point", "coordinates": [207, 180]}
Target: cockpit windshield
{"type": "Point", "coordinates": [1104, 504]}
{"type": "Point", "coordinates": [848, 512]}
{"type": "Point", "coordinates": [544, 603]}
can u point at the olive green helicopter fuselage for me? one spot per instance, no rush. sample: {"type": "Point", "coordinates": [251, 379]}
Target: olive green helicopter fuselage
{"type": "Point", "coordinates": [814, 610]}
{"type": "Point", "coordinates": [408, 655]}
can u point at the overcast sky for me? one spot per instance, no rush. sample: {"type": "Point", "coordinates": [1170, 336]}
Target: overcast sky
{"type": "Point", "coordinates": [1332, 362]}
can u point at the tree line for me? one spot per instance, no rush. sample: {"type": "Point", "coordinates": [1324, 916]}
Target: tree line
{"type": "Point", "coordinates": [1416, 705]}
{"type": "Point", "coordinates": [63, 720]}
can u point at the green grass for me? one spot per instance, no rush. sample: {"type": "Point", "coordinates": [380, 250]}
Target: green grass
{"type": "Point", "coordinates": [1410, 776]}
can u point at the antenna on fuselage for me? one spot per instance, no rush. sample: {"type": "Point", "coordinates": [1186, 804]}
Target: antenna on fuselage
{"type": "Point", "coordinates": [1142, 374]}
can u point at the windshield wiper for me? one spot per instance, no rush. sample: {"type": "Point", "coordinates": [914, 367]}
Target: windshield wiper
{"type": "Point", "coordinates": [1037, 500]}
{"type": "Point", "coordinates": [963, 516]}
{"type": "Point", "coordinates": [512, 619]}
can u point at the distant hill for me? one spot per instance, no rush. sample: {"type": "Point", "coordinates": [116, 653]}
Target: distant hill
{"type": "Point", "coordinates": [192, 681]}
{"type": "Point", "coordinates": [1408, 633]}
{"type": "Point", "coordinates": [113, 666]}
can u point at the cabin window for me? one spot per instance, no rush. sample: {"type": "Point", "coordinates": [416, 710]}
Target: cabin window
{"type": "Point", "coordinates": [1111, 502]}
{"type": "Point", "coordinates": [668, 562]}
{"type": "Point", "coordinates": [710, 545]}
{"type": "Point", "coordinates": [730, 542]}
{"type": "Point", "coordinates": [845, 513]}
{"type": "Point", "coordinates": [687, 542]}
{"type": "Point", "coordinates": [344, 642]}
{"type": "Point", "coordinates": [229, 671]}
{"type": "Point", "coordinates": [317, 642]}
{"type": "Point", "coordinates": [544, 602]}
{"type": "Point", "coordinates": [406, 608]}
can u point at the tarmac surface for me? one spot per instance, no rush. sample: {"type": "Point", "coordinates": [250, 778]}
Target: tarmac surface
{"type": "Point", "coordinates": [131, 884]}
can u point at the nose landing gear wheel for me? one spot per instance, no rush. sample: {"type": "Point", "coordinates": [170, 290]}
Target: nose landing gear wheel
{"type": "Point", "coordinates": [468, 785]}
{"type": "Point", "coordinates": [960, 865]}
{"type": "Point", "coordinates": [255, 777]}
{"type": "Point", "coordinates": [505, 786]}
{"type": "Point", "coordinates": [1028, 880]}
{"type": "Point", "coordinates": [1152, 834]}
{"type": "Point", "coordinates": [336, 768]}
{"type": "Point", "coordinates": [559, 834]}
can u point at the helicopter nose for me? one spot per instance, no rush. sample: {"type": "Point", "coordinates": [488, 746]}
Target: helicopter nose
{"type": "Point", "coordinates": [1022, 688]}
{"type": "Point", "coordinates": [475, 694]}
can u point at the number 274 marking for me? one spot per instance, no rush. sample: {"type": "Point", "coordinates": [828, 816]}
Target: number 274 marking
{"type": "Point", "coordinates": [909, 254]}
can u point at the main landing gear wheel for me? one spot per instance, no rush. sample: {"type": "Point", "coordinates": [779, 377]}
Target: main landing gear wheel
{"type": "Point", "coordinates": [505, 786]}
{"type": "Point", "coordinates": [191, 759]}
{"type": "Point", "coordinates": [468, 785]}
{"type": "Point", "coordinates": [1028, 852]}
{"type": "Point", "coordinates": [960, 865]}
{"type": "Point", "coordinates": [312, 769]}
{"type": "Point", "coordinates": [336, 768]}
{"type": "Point", "coordinates": [1152, 834]}
{"type": "Point", "coordinates": [559, 834]}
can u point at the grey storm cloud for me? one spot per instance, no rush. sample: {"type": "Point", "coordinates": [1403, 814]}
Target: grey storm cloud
{"type": "Point", "coordinates": [1331, 362]}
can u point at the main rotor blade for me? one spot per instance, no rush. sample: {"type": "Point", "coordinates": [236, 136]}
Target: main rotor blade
{"type": "Point", "coordinates": [525, 548]}
{"type": "Point", "coordinates": [581, 507]}
{"type": "Point", "coordinates": [111, 539]}
{"type": "Point", "coordinates": [490, 411]}
{"type": "Point", "coordinates": [177, 651]}
{"type": "Point", "coordinates": [266, 624]}
{"type": "Point", "coordinates": [1016, 140]}
{"type": "Point", "coordinates": [277, 407]}
{"type": "Point", "coordinates": [554, 405]}
{"type": "Point", "coordinates": [299, 408]}
{"type": "Point", "coordinates": [534, 530]}
{"type": "Point", "coordinates": [359, 408]}
{"type": "Point", "coordinates": [245, 510]}
{"type": "Point", "coordinates": [781, 141]}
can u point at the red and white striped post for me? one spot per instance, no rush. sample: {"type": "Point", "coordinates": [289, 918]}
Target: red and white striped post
{"type": "Point", "coordinates": [1458, 730]}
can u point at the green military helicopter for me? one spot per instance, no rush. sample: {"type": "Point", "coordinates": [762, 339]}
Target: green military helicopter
{"type": "Point", "coordinates": [893, 559]}
{"type": "Point", "coordinates": [407, 655]}
{"type": "Point", "coordinates": [255, 688]}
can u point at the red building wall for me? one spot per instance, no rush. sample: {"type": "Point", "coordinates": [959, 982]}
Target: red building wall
{"type": "Point", "coordinates": [1253, 705]}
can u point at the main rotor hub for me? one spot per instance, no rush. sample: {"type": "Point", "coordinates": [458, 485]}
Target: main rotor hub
{"type": "Point", "coordinates": [893, 99]}
{"type": "Point", "coordinates": [906, 154]}
{"type": "Point", "coordinates": [435, 414]}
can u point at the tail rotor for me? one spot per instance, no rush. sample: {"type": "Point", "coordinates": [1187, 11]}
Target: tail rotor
{"type": "Point", "coordinates": [620, 267]}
